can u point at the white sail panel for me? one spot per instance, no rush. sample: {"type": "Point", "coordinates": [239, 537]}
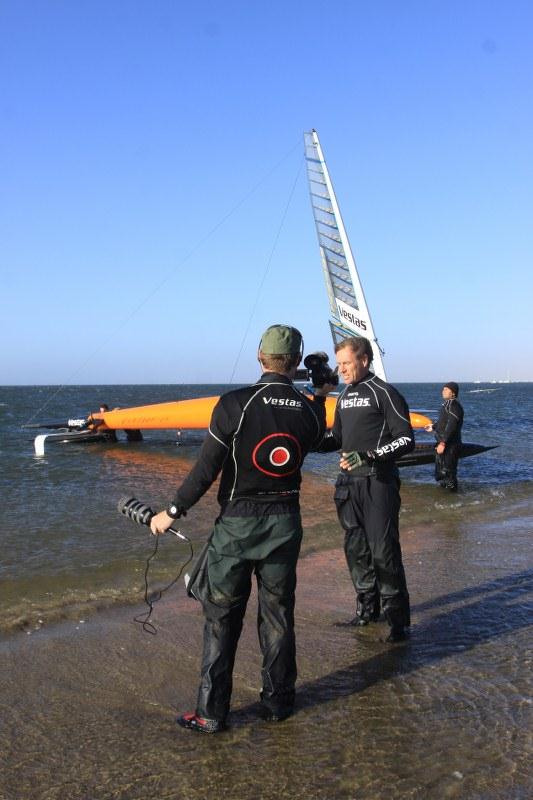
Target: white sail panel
{"type": "Point", "coordinates": [348, 308]}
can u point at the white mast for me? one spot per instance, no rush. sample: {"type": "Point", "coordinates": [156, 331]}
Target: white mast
{"type": "Point", "coordinates": [349, 311]}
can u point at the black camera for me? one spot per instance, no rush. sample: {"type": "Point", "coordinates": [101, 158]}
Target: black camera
{"type": "Point", "coordinates": [318, 370]}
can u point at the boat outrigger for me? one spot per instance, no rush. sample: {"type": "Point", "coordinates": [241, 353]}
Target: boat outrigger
{"type": "Point", "coordinates": [349, 316]}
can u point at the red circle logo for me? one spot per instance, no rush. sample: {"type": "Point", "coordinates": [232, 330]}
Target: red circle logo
{"type": "Point", "coordinates": [277, 455]}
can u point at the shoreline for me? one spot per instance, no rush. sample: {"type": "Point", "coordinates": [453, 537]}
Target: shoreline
{"type": "Point", "coordinates": [88, 709]}
{"type": "Point", "coordinates": [39, 601]}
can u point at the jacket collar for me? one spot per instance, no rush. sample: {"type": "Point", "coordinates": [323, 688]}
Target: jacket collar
{"type": "Point", "coordinates": [368, 377]}
{"type": "Point", "coordinates": [274, 377]}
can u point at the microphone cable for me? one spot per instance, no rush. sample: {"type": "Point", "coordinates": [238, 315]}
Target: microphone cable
{"type": "Point", "coordinates": [142, 514]}
{"type": "Point", "coordinates": [151, 598]}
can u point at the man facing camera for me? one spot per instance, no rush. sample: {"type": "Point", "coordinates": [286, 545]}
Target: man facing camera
{"type": "Point", "coordinates": [372, 428]}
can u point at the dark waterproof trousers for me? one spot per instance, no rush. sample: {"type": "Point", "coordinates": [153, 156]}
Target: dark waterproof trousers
{"type": "Point", "coordinates": [446, 466]}
{"type": "Point", "coordinates": [241, 546]}
{"type": "Point", "coordinates": [368, 510]}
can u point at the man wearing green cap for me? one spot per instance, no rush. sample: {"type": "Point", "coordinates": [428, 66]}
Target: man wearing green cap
{"type": "Point", "coordinates": [258, 438]}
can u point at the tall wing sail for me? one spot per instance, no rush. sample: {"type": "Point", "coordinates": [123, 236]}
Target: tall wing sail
{"type": "Point", "coordinates": [348, 308]}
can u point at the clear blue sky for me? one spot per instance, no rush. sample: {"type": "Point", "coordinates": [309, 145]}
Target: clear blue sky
{"type": "Point", "coordinates": [149, 149]}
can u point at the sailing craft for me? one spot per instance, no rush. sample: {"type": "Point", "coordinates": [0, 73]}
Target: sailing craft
{"type": "Point", "coordinates": [349, 316]}
{"type": "Point", "coordinates": [347, 304]}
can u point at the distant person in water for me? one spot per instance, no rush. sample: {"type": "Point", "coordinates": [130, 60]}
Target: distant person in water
{"type": "Point", "coordinates": [132, 434]}
{"type": "Point", "coordinates": [110, 435]}
{"type": "Point", "coordinates": [447, 432]}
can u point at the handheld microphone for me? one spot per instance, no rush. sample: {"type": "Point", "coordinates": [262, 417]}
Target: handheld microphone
{"type": "Point", "coordinates": [141, 514]}
{"type": "Point", "coordinates": [135, 510]}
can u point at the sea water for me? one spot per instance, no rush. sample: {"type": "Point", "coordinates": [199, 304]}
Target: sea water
{"type": "Point", "coordinates": [66, 549]}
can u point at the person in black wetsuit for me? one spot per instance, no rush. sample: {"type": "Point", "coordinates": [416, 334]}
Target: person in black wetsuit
{"type": "Point", "coordinates": [447, 432]}
{"type": "Point", "coordinates": [372, 427]}
{"type": "Point", "coordinates": [110, 435]}
{"type": "Point", "coordinates": [258, 436]}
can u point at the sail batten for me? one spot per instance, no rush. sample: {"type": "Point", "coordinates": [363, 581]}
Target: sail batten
{"type": "Point", "coordinates": [343, 295]}
{"type": "Point", "coordinates": [321, 195]}
{"type": "Point", "coordinates": [336, 262]}
{"type": "Point", "coordinates": [330, 236]}
{"type": "Point", "coordinates": [324, 210]}
{"type": "Point", "coordinates": [333, 247]}
{"type": "Point", "coordinates": [325, 222]}
{"type": "Point", "coordinates": [349, 312]}
{"type": "Point", "coordinates": [348, 290]}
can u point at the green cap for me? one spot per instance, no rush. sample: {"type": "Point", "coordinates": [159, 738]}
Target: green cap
{"type": "Point", "coordinates": [280, 340]}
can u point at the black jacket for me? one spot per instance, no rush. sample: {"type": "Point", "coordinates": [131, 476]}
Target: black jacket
{"type": "Point", "coordinates": [258, 436]}
{"type": "Point", "coordinates": [450, 422]}
{"type": "Point", "coordinates": [371, 417]}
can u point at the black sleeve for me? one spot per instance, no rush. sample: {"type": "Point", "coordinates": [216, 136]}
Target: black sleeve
{"type": "Point", "coordinates": [319, 410]}
{"type": "Point", "coordinates": [397, 419]}
{"type": "Point", "coordinates": [332, 439]}
{"type": "Point", "coordinates": [213, 453]}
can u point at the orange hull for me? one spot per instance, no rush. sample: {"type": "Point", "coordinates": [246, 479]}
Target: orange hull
{"type": "Point", "coordinates": [192, 414]}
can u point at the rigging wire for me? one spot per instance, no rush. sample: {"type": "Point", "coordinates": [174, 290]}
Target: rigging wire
{"type": "Point", "coordinates": [163, 281]}
{"type": "Point", "coordinates": [265, 273]}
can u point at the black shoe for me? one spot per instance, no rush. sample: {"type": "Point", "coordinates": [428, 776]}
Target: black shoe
{"type": "Point", "coordinates": [449, 485]}
{"type": "Point", "coordinates": [360, 620]}
{"type": "Point", "coordinates": [276, 716]}
{"type": "Point", "coordinates": [398, 634]}
{"type": "Point", "coordinates": [193, 722]}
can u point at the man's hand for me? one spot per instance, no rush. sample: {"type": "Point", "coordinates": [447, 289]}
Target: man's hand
{"type": "Point", "coordinates": [441, 447]}
{"type": "Point", "coordinates": [323, 391]}
{"type": "Point", "coordinates": [351, 460]}
{"type": "Point", "coordinates": [160, 523]}
{"type": "Point", "coordinates": [428, 428]}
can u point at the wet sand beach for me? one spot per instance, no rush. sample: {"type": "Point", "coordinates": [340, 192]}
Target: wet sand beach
{"type": "Point", "coordinates": [88, 708]}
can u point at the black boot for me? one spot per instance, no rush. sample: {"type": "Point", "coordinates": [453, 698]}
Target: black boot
{"type": "Point", "coordinates": [398, 634]}
{"type": "Point", "coordinates": [366, 610]}
{"type": "Point", "coordinates": [360, 620]}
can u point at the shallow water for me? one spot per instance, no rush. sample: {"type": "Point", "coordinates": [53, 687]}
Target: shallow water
{"type": "Point", "coordinates": [65, 547]}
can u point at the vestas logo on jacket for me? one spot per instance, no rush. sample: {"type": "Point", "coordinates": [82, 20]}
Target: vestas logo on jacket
{"type": "Point", "coordinates": [282, 401]}
{"type": "Point", "coordinates": [355, 402]}
{"type": "Point", "coordinates": [351, 317]}
{"type": "Point", "coordinates": [394, 445]}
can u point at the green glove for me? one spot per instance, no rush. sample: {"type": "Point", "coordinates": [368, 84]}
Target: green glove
{"type": "Point", "coordinates": [352, 460]}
